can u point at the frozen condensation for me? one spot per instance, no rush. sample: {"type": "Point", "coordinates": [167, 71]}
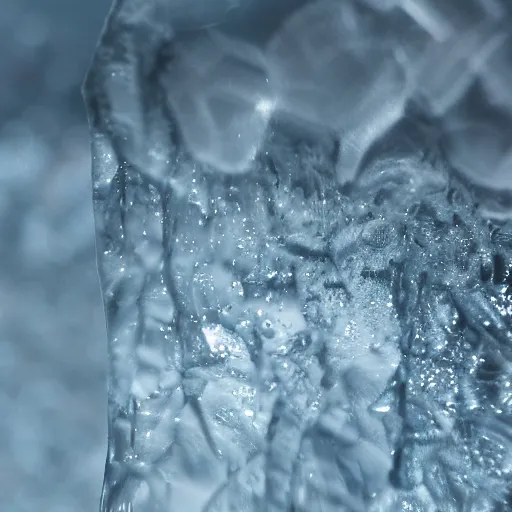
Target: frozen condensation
{"type": "Point", "coordinates": [305, 254]}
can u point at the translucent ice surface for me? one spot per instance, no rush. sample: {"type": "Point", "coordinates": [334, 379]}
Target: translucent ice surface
{"type": "Point", "coordinates": [306, 265]}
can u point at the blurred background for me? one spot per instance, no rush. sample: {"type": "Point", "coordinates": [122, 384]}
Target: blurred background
{"type": "Point", "coordinates": [52, 335]}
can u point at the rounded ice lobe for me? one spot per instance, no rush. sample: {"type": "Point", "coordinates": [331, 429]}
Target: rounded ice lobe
{"type": "Point", "coordinates": [326, 68]}
{"type": "Point", "coordinates": [222, 99]}
{"type": "Point", "coordinates": [332, 70]}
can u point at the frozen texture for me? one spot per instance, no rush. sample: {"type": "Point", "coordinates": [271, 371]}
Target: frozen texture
{"type": "Point", "coordinates": [307, 306]}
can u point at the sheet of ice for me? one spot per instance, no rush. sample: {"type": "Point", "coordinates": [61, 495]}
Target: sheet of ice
{"type": "Point", "coordinates": [307, 309]}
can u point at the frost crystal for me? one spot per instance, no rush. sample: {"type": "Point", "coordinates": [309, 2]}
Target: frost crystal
{"type": "Point", "coordinates": [307, 309]}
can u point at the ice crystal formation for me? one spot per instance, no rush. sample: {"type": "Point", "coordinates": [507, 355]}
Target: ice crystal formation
{"type": "Point", "coordinates": [306, 282]}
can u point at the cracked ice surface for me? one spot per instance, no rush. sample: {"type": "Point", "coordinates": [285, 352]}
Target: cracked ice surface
{"type": "Point", "coordinates": [305, 262]}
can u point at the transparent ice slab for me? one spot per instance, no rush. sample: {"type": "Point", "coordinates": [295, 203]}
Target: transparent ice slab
{"type": "Point", "coordinates": [304, 249]}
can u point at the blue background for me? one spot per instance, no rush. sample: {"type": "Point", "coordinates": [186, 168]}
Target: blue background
{"type": "Point", "coordinates": [52, 334]}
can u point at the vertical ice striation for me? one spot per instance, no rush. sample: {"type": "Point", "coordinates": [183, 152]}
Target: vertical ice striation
{"type": "Point", "coordinates": [307, 307]}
